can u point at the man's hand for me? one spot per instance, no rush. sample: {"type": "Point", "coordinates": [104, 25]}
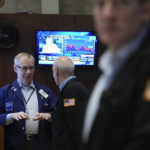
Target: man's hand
{"type": "Point", "coordinates": [42, 116]}
{"type": "Point", "coordinates": [19, 116]}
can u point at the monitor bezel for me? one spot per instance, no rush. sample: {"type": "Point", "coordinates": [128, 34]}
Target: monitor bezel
{"type": "Point", "coordinates": [49, 65]}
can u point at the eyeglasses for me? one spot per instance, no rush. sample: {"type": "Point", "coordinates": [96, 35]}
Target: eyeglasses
{"type": "Point", "coordinates": [25, 68]}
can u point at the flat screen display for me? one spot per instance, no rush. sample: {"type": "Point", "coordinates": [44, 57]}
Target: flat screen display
{"type": "Point", "coordinates": [80, 46]}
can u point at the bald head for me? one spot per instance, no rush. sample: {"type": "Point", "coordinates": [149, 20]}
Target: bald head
{"type": "Point", "coordinates": [64, 65]}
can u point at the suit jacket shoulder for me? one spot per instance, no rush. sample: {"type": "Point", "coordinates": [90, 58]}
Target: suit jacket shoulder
{"type": "Point", "coordinates": [74, 87]}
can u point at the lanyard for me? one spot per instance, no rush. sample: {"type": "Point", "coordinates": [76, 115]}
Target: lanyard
{"type": "Point", "coordinates": [26, 101]}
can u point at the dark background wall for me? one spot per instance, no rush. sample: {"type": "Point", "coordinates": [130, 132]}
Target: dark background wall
{"type": "Point", "coordinates": [27, 25]}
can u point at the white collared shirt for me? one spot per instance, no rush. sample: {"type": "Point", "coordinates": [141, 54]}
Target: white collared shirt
{"type": "Point", "coordinates": [30, 96]}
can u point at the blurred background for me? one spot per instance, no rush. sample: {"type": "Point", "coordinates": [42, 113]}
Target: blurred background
{"type": "Point", "coordinates": [82, 7]}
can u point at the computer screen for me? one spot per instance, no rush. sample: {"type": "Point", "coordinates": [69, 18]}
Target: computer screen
{"type": "Point", "coordinates": [80, 46]}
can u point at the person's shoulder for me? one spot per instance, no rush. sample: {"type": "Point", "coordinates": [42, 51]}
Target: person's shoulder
{"type": "Point", "coordinates": [142, 56]}
{"type": "Point", "coordinates": [43, 87]}
{"type": "Point", "coordinates": [145, 45]}
{"type": "Point", "coordinates": [40, 85]}
{"type": "Point", "coordinates": [76, 84]}
{"type": "Point", "coordinates": [5, 87]}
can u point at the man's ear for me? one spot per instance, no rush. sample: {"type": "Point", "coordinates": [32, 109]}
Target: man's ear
{"type": "Point", "coordinates": [57, 72]}
{"type": "Point", "coordinates": [15, 68]}
{"type": "Point", "coordinates": [146, 10]}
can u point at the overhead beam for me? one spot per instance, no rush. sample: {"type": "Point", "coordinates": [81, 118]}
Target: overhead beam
{"type": "Point", "coordinates": [50, 6]}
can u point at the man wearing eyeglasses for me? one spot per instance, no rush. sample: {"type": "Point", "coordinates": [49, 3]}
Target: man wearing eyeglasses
{"type": "Point", "coordinates": [26, 108]}
{"type": "Point", "coordinates": [118, 112]}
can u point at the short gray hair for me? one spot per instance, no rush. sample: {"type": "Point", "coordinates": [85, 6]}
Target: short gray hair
{"type": "Point", "coordinates": [64, 65]}
{"type": "Point", "coordinates": [18, 56]}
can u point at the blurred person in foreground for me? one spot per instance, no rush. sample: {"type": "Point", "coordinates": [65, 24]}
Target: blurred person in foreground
{"type": "Point", "coordinates": [26, 109]}
{"type": "Point", "coordinates": [118, 112]}
{"type": "Point", "coordinates": [68, 115]}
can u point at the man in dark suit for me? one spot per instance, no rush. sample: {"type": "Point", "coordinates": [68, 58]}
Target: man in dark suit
{"type": "Point", "coordinates": [118, 113]}
{"type": "Point", "coordinates": [26, 108]}
{"type": "Point", "coordinates": [68, 116]}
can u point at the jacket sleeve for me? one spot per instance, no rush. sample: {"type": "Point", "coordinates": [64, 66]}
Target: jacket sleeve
{"type": "Point", "coordinates": [74, 114]}
{"type": "Point", "coordinates": [2, 108]}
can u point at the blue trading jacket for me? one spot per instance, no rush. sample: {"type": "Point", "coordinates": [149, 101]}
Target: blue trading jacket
{"type": "Point", "coordinates": [11, 100]}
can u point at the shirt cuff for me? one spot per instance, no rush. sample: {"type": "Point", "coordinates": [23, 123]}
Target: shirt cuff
{"type": "Point", "coordinates": [9, 120]}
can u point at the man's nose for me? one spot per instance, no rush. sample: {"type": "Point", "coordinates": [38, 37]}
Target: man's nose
{"type": "Point", "coordinates": [28, 70]}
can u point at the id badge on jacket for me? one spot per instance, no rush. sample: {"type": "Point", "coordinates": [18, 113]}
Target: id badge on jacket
{"type": "Point", "coordinates": [9, 106]}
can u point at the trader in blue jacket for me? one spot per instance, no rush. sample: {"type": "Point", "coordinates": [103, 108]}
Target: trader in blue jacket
{"type": "Point", "coordinates": [26, 108]}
